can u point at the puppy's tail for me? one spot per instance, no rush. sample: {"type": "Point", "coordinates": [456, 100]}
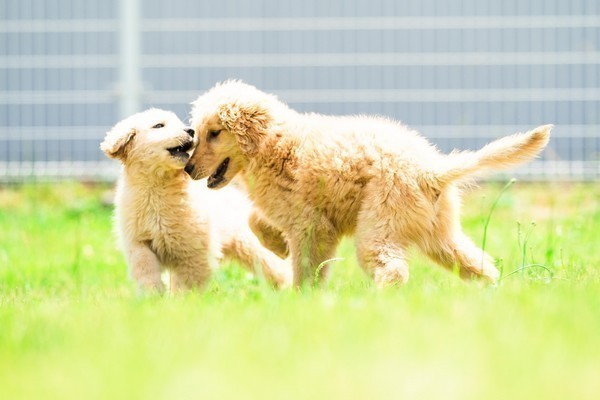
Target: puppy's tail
{"type": "Point", "coordinates": [503, 153]}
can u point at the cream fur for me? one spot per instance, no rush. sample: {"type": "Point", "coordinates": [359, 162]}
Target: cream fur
{"type": "Point", "coordinates": [167, 221]}
{"type": "Point", "coordinates": [317, 178]}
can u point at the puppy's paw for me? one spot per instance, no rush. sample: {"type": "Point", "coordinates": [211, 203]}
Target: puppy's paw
{"type": "Point", "coordinates": [150, 287]}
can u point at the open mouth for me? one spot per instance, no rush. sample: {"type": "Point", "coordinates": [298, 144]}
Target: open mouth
{"type": "Point", "coordinates": [219, 175]}
{"type": "Point", "coordinates": [180, 150]}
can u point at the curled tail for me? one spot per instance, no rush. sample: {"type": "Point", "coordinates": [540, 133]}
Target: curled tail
{"type": "Point", "coordinates": [503, 153]}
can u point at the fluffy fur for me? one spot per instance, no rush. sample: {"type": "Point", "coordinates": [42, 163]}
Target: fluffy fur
{"type": "Point", "coordinates": [317, 178]}
{"type": "Point", "coordinates": [167, 221]}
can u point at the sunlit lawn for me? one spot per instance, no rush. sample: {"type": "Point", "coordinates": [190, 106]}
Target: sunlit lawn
{"type": "Point", "coordinates": [72, 325]}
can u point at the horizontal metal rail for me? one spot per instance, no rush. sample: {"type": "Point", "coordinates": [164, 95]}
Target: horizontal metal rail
{"type": "Point", "coordinates": [371, 59]}
{"type": "Point", "coordinates": [59, 61]}
{"type": "Point", "coordinates": [370, 23]}
{"type": "Point", "coordinates": [467, 132]}
{"type": "Point", "coordinates": [308, 60]}
{"type": "Point", "coordinates": [405, 95]}
{"type": "Point", "coordinates": [322, 96]}
{"type": "Point", "coordinates": [308, 24]}
{"type": "Point", "coordinates": [58, 26]}
{"type": "Point", "coordinates": [46, 133]}
{"type": "Point", "coordinates": [57, 97]}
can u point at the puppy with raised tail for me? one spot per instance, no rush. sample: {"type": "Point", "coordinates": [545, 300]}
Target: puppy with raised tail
{"type": "Point", "coordinates": [167, 221]}
{"type": "Point", "coordinates": [317, 178]}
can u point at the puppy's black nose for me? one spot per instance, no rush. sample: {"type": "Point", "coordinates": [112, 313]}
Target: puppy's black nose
{"type": "Point", "coordinates": [190, 132]}
{"type": "Point", "coordinates": [189, 168]}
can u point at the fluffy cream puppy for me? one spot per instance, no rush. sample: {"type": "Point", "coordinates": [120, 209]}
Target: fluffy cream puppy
{"type": "Point", "coordinates": [317, 178]}
{"type": "Point", "coordinates": [167, 221]}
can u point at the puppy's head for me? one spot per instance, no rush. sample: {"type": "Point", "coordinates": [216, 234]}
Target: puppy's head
{"type": "Point", "coordinates": [153, 139]}
{"type": "Point", "coordinates": [232, 121]}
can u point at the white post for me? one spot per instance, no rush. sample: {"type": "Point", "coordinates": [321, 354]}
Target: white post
{"type": "Point", "coordinates": [130, 81]}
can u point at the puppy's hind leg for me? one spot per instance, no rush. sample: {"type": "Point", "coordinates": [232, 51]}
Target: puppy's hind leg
{"type": "Point", "coordinates": [144, 267]}
{"type": "Point", "coordinates": [381, 259]}
{"type": "Point", "coordinates": [447, 245]}
{"type": "Point", "coordinates": [458, 250]}
{"type": "Point", "coordinates": [190, 274]}
{"type": "Point", "coordinates": [246, 249]}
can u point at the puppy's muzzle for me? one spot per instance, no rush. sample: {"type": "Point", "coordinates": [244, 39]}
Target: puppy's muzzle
{"type": "Point", "coordinates": [189, 168]}
{"type": "Point", "coordinates": [181, 149]}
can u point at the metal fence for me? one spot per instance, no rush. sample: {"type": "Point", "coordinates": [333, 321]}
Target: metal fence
{"type": "Point", "coordinates": [462, 72]}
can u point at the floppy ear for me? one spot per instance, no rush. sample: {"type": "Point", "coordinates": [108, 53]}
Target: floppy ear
{"type": "Point", "coordinates": [249, 124]}
{"type": "Point", "coordinates": [116, 140]}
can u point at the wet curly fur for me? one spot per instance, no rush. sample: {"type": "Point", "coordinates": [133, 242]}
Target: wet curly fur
{"type": "Point", "coordinates": [317, 178]}
{"type": "Point", "coordinates": [167, 221]}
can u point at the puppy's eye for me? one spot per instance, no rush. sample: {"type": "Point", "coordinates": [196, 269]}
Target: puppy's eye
{"type": "Point", "coordinates": [158, 126]}
{"type": "Point", "coordinates": [214, 134]}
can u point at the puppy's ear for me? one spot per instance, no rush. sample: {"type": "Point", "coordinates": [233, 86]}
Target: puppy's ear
{"type": "Point", "coordinates": [248, 122]}
{"type": "Point", "coordinates": [116, 142]}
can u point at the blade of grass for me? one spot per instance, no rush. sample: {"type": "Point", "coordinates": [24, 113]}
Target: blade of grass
{"type": "Point", "coordinates": [321, 266]}
{"type": "Point", "coordinates": [489, 217]}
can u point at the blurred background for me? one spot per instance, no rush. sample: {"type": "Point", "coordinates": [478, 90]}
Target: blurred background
{"type": "Point", "coordinates": [462, 72]}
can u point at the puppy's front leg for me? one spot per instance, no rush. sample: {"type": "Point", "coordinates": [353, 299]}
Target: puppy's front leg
{"type": "Point", "coordinates": [268, 235]}
{"type": "Point", "coordinates": [309, 248]}
{"type": "Point", "coordinates": [191, 273]}
{"type": "Point", "coordinates": [144, 267]}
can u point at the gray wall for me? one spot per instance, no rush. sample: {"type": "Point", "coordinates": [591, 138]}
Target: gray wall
{"type": "Point", "coordinates": [462, 72]}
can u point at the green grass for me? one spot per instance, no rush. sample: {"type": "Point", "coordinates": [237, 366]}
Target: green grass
{"type": "Point", "coordinates": [72, 326]}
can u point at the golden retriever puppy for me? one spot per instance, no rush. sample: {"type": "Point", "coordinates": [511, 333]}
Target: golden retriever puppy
{"type": "Point", "coordinates": [317, 178]}
{"type": "Point", "coordinates": [167, 221]}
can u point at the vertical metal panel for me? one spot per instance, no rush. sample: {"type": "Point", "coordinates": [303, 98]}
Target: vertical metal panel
{"type": "Point", "coordinates": [130, 85]}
